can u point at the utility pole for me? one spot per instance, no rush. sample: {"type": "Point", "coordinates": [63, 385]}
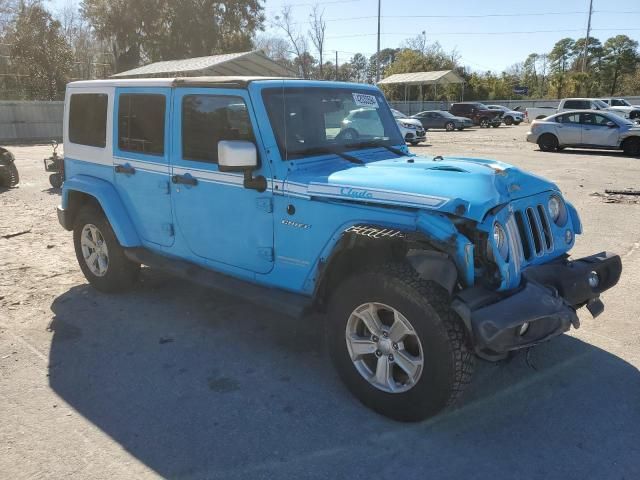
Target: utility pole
{"type": "Point", "coordinates": [378, 49]}
{"type": "Point", "coordinates": [336, 64]}
{"type": "Point", "coordinates": [586, 42]}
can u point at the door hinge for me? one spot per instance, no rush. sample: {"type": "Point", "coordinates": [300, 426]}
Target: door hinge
{"type": "Point", "coordinates": [265, 204]}
{"type": "Point", "coordinates": [164, 186]}
{"type": "Point", "coordinates": [266, 253]}
{"type": "Point", "coordinates": [168, 229]}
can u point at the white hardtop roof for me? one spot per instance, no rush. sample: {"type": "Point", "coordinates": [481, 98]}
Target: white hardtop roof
{"type": "Point", "coordinates": [439, 77]}
{"type": "Point", "coordinates": [237, 81]}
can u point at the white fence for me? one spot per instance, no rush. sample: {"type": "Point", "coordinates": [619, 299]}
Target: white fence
{"type": "Point", "coordinates": [30, 121]}
{"type": "Point", "coordinates": [410, 108]}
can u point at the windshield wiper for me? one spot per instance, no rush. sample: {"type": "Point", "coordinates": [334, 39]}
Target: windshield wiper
{"type": "Point", "coordinates": [395, 150]}
{"type": "Point", "coordinates": [335, 151]}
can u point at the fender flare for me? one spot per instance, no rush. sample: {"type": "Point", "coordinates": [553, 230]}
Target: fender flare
{"type": "Point", "coordinates": [110, 202]}
{"type": "Point", "coordinates": [434, 266]}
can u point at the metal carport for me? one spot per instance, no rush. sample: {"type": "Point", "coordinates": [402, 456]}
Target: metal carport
{"type": "Point", "coordinates": [435, 78]}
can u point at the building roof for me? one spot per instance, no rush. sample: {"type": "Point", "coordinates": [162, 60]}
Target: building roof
{"type": "Point", "coordinates": [440, 77]}
{"type": "Point", "coordinates": [243, 63]}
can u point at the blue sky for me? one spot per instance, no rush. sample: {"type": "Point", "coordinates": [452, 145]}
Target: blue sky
{"type": "Point", "coordinates": [477, 29]}
{"type": "Point", "coordinates": [348, 32]}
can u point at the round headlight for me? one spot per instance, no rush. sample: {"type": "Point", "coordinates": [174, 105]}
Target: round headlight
{"type": "Point", "coordinates": [500, 240]}
{"type": "Point", "coordinates": [557, 210]}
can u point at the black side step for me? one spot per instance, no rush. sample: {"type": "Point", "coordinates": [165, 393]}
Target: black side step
{"type": "Point", "coordinates": [291, 304]}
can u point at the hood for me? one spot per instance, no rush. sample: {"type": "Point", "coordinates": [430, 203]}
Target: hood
{"type": "Point", "coordinates": [467, 187]}
{"type": "Point", "coordinates": [410, 121]}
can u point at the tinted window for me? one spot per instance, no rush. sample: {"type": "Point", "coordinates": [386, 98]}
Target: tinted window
{"type": "Point", "coordinates": [577, 104]}
{"type": "Point", "coordinates": [141, 123]}
{"type": "Point", "coordinates": [208, 119]}
{"type": "Point", "coordinates": [88, 119]}
{"type": "Point", "coordinates": [594, 119]}
{"type": "Point", "coordinates": [569, 118]}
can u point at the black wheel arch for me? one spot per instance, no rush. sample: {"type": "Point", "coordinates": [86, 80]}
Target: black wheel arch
{"type": "Point", "coordinates": [364, 246]}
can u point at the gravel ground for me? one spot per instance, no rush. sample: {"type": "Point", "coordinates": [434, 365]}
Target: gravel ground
{"type": "Point", "coordinates": [174, 380]}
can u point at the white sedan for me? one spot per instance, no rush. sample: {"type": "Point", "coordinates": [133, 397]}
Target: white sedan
{"type": "Point", "coordinates": [586, 129]}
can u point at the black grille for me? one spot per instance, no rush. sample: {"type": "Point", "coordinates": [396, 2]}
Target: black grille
{"type": "Point", "coordinates": [535, 231]}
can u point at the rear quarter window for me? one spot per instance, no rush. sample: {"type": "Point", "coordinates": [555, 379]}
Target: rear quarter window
{"type": "Point", "coordinates": [88, 119]}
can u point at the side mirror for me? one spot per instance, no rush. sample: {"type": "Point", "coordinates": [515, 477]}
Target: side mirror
{"type": "Point", "coordinates": [241, 156]}
{"type": "Point", "coordinates": [611, 124]}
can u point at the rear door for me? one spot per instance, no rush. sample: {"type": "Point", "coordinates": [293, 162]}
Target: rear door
{"type": "Point", "coordinates": [569, 129]}
{"type": "Point", "coordinates": [141, 160]}
{"type": "Point", "coordinates": [218, 217]}
{"type": "Point", "coordinates": [597, 132]}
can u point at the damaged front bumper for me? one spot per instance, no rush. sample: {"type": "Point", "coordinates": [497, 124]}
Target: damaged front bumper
{"type": "Point", "coordinates": [543, 307]}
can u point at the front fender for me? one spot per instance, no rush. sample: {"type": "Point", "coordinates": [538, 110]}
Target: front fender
{"type": "Point", "coordinates": [112, 206]}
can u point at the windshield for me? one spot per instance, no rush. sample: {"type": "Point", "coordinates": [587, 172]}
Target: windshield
{"type": "Point", "coordinates": [398, 114]}
{"type": "Point", "coordinates": [600, 104]}
{"type": "Point", "coordinates": [314, 120]}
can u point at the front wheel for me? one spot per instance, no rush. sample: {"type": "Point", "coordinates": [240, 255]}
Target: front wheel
{"type": "Point", "coordinates": [449, 126]}
{"type": "Point", "coordinates": [508, 120]}
{"type": "Point", "coordinates": [100, 255]}
{"type": "Point", "coordinates": [396, 343]}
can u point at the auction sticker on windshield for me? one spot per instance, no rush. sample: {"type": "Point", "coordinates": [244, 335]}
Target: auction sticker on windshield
{"type": "Point", "coordinates": [364, 100]}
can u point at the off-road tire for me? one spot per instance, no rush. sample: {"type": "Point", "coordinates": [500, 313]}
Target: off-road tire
{"type": "Point", "coordinates": [631, 147]}
{"type": "Point", "coordinates": [9, 176]}
{"type": "Point", "coordinates": [121, 272]}
{"type": "Point", "coordinates": [508, 121]}
{"type": "Point", "coordinates": [56, 180]}
{"type": "Point", "coordinates": [548, 142]}
{"type": "Point", "coordinates": [449, 126]}
{"type": "Point", "coordinates": [448, 361]}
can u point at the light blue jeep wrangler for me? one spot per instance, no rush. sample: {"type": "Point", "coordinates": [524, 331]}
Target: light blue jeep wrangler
{"type": "Point", "coordinates": [254, 186]}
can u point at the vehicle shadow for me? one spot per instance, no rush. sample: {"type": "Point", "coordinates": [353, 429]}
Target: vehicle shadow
{"type": "Point", "coordinates": [197, 384]}
{"type": "Point", "coordinates": [594, 153]}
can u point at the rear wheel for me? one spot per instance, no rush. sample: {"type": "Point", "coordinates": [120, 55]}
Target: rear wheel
{"type": "Point", "coordinates": [397, 344]}
{"type": "Point", "coordinates": [449, 126]}
{"type": "Point", "coordinates": [548, 142]}
{"type": "Point", "coordinates": [100, 255]}
{"type": "Point", "coordinates": [508, 120]}
{"type": "Point", "coordinates": [631, 147]}
{"type": "Point", "coordinates": [9, 176]}
{"type": "Point", "coordinates": [484, 123]}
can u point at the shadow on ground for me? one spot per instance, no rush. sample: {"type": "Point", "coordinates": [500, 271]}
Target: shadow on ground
{"type": "Point", "coordinates": [196, 384]}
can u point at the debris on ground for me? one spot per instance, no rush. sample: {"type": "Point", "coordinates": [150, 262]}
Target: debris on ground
{"type": "Point", "coordinates": [16, 234]}
{"type": "Point", "coordinates": [619, 196]}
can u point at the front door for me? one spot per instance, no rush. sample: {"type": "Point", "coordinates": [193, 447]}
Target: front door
{"type": "Point", "coordinates": [597, 132]}
{"type": "Point", "coordinates": [218, 217]}
{"type": "Point", "coordinates": [569, 129]}
{"type": "Point", "coordinates": [141, 160]}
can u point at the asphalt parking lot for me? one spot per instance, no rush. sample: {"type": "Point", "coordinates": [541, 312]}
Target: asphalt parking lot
{"type": "Point", "coordinates": [174, 380]}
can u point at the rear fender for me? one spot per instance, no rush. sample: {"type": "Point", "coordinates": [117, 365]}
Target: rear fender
{"type": "Point", "coordinates": [110, 202]}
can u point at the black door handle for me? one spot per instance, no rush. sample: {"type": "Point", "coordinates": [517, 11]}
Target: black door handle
{"type": "Point", "coordinates": [184, 180]}
{"type": "Point", "coordinates": [125, 169]}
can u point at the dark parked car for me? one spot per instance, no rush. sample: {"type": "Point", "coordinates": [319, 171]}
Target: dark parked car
{"type": "Point", "coordinates": [442, 119]}
{"type": "Point", "coordinates": [478, 113]}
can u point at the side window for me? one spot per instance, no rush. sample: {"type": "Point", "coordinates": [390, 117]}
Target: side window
{"type": "Point", "coordinates": [569, 118]}
{"type": "Point", "coordinates": [88, 119]}
{"type": "Point", "coordinates": [594, 119]}
{"type": "Point", "coordinates": [207, 119]}
{"type": "Point", "coordinates": [577, 104]}
{"type": "Point", "coordinates": [141, 123]}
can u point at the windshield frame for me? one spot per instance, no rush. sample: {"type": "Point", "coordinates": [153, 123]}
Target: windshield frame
{"type": "Point", "coordinates": [391, 133]}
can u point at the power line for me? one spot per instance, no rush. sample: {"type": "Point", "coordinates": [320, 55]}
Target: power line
{"type": "Point", "coordinates": [518, 32]}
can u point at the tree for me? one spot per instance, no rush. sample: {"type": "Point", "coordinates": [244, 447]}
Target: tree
{"type": "Point", "coordinates": [359, 66]}
{"type": "Point", "coordinates": [318, 28]}
{"type": "Point", "coordinates": [40, 50]}
{"type": "Point", "coordinates": [298, 43]}
{"type": "Point", "coordinates": [152, 30]}
{"type": "Point", "coordinates": [560, 56]}
{"type": "Point", "coordinates": [620, 58]}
